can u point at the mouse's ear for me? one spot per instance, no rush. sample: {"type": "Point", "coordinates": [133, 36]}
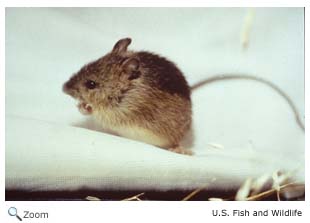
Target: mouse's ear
{"type": "Point", "coordinates": [121, 46]}
{"type": "Point", "coordinates": [131, 68]}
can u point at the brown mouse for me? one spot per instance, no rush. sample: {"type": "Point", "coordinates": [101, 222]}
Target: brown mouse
{"type": "Point", "coordinates": [143, 96]}
{"type": "Point", "coordinates": [138, 95]}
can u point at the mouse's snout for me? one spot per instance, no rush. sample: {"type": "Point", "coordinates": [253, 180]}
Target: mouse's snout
{"type": "Point", "coordinates": [67, 86]}
{"type": "Point", "coordinates": [70, 87]}
{"type": "Point", "coordinates": [71, 82]}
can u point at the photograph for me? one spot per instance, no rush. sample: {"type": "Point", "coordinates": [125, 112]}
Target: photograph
{"type": "Point", "coordinates": [154, 104]}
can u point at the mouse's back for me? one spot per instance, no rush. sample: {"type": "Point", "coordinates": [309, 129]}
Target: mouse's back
{"type": "Point", "coordinates": [163, 74]}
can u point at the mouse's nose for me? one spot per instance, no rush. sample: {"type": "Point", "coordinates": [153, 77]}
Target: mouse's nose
{"type": "Point", "coordinates": [67, 86]}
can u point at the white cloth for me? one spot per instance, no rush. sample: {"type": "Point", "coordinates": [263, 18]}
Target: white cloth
{"type": "Point", "coordinates": [50, 146]}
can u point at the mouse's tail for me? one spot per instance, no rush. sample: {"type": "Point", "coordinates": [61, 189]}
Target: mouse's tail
{"type": "Point", "coordinates": [258, 79]}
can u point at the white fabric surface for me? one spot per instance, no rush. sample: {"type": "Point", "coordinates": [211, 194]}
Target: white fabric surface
{"type": "Point", "coordinates": [51, 146]}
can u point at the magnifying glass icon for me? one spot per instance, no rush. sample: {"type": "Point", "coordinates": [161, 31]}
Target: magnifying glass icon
{"type": "Point", "coordinates": [13, 212]}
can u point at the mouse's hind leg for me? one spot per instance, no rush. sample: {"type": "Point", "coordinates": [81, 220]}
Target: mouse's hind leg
{"type": "Point", "coordinates": [181, 150]}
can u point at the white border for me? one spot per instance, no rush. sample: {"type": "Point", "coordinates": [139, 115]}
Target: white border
{"type": "Point", "coordinates": [154, 3]}
{"type": "Point", "coordinates": [2, 102]}
{"type": "Point", "coordinates": [307, 98]}
{"type": "Point", "coordinates": [147, 211]}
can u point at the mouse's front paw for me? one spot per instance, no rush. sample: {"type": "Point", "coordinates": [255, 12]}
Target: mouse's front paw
{"type": "Point", "coordinates": [85, 108]}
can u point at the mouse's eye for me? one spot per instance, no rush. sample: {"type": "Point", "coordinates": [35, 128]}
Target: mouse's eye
{"type": "Point", "coordinates": [90, 84]}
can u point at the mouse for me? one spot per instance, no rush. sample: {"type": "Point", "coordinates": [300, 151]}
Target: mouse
{"type": "Point", "coordinates": [142, 96]}
{"type": "Point", "coordinates": [137, 95]}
